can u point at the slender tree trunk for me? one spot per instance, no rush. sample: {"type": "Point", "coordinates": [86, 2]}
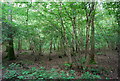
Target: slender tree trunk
{"type": "Point", "coordinates": [90, 23]}
{"type": "Point", "coordinates": [87, 33]}
{"type": "Point", "coordinates": [58, 46]}
{"type": "Point", "coordinates": [50, 50]}
{"type": "Point", "coordinates": [65, 38]}
{"type": "Point", "coordinates": [54, 47]}
{"type": "Point", "coordinates": [73, 35]}
{"type": "Point", "coordinates": [30, 45]}
{"type": "Point", "coordinates": [62, 42]}
{"type": "Point", "coordinates": [92, 55]}
{"type": "Point", "coordinates": [80, 42]}
{"type": "Point", "coordinates": [89, 11]}
{"type": "Point", "coordinates": [19, 45]}
{"type": "Point", "coordinates": [30, 39]}
{"type": "Point", "coordinates": [40, 48]}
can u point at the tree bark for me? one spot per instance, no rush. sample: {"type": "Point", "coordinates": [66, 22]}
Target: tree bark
{"type": "Point", "coordinates": [90, 23]}
{"type": "Point", "coordinates": [92, 55]}
{"type": "Point", "coordinates": [11, 54]}
{"type": "Point", "coordinates": [50, 50]}
{"type": "Point", "coordinates": [19, 45]}
{"type": "Point", "coordinates": [58, 46]}
{"type": "Point", "coordinates": [40, 48]}
{"type": "Point", "coordinates": [87, 31]}
{"type": "Point", "coordinates": [54, 46]}
{"type": "Point", "coordinates": [73, 34]}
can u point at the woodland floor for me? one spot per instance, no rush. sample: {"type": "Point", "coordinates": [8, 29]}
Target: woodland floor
{"type": "Point", "coordinates": [108, 59]}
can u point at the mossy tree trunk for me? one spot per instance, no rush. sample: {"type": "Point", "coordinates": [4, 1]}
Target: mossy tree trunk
{"type": "Point", "coordinates": [10, 54]}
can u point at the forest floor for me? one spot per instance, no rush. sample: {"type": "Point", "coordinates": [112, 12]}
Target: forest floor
{"type": "Point", "coordinates": [108, 59]}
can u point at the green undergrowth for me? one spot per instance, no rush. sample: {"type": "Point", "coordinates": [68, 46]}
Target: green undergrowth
{"type": "Point", "coordinates": [67, 66]}
{"type": "Point", "coordinates": [99, 53]}
{"type": "Point", "coordinates": [88, 75]}
{"type": "Point", "coordinates": [101, 71]}
{"type": "Point", "coordinates": [16, 71]}
{"type": "Point", "coordinates": [92, 62]}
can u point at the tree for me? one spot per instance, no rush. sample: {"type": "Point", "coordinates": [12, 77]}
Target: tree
{"type": "Point", "coordinates": [10, 47]}
{"type": "Point", "coordinates": [65, 38]}
{"type": "Point", "coordinates": [92, 55]}
{"type": "Point", "coordinates": [90, 13]}
{"type": "Point", "coordinates": [113, 9]}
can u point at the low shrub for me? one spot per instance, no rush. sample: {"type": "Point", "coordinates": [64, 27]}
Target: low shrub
{"type": "Point", "coordinates": [33, 73]}
{"type": "Point", "coordinates": [16, 71]}
{"type": "Point", "coordinates": [88, 75]}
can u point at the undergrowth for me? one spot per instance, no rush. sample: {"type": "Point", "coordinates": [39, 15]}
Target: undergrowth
{"type": "Point", "coordinates": [16, 71]}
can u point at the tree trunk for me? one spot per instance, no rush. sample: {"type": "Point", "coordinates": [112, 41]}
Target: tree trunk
{"type": "Point", "coordinates": [92, 55]}
{"type": "Point", "coordinates": [30, 45]}
{"type": "Point", "coordinates": [50, 50]}
{"type": "Point", "coordinates": [19, 45]}
{"type": "Point", "coordinates": [87, 33]}
{"type": "Point", "coordinates": [90, 22]}
{"type": "Point", "coordinates": [40, 48]}
{"type": "Point", "coordinates": [54, 47]}
{"type": "Point", "coordinates": [73, 35]}
{"type": "Point", "coordinates": [11, 54]}
{"type": "Point", "coordinates": [65, 38]}
{"type": "Point", "coordinates": [58, 46]}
